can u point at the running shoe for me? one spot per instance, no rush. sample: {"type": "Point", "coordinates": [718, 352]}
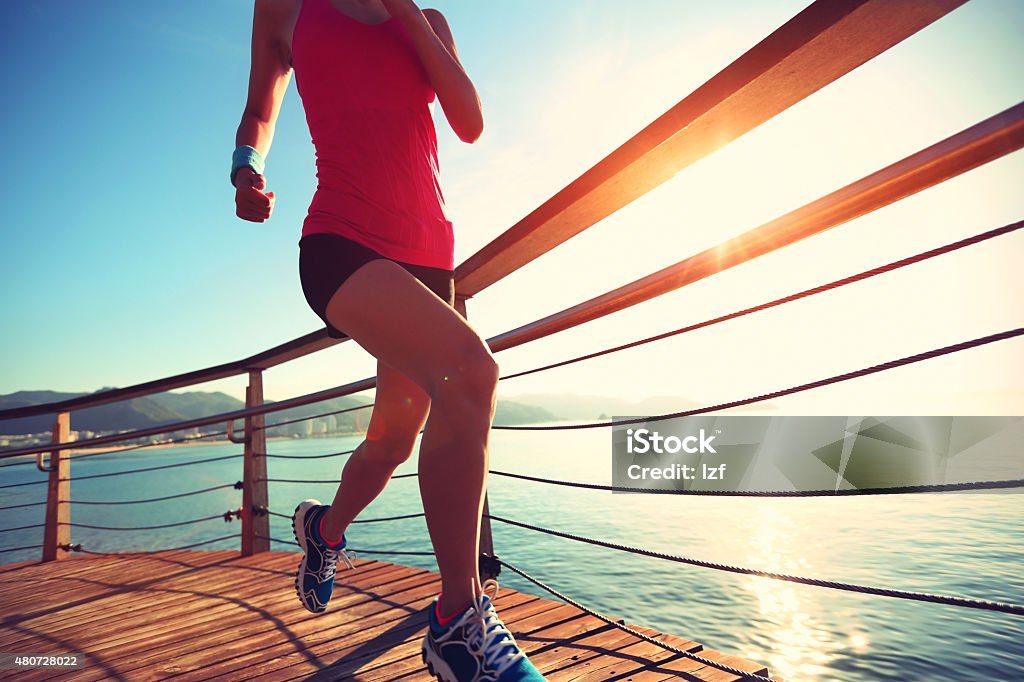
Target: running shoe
{"type": "Point", "coordinates": [314, 581]}
{"type": "Point", "coordinates": [475, 647]}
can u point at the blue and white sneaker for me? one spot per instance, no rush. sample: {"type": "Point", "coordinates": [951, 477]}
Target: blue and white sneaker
{"type": "Point", "coordinates": [475, 647]}
{"type": "Point", "coordinates": [314, 581]}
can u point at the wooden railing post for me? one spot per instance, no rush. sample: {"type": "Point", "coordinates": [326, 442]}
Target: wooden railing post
{"type": "Point", "coordinates": [57, 532]}
{"type": "Point", "coordinates": [488, 569]}
{"type": "Point", "coordinates": [255, 523]}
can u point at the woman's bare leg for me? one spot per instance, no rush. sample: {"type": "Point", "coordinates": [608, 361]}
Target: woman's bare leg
{"type": "Point", "coordinates": [402, 323]}
{"type": "Point", "coordinates": [400, 408]}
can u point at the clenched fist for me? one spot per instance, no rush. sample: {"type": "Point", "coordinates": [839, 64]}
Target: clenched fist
{"type": "Point", "coordinates": [251, 202]}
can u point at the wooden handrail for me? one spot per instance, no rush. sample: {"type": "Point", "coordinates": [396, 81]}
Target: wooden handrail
{"type": "Point", "coordinates": [983, 142]}
{"type": "Point", "coordinates": [992, 138]}
{"type": "Point", "coordinates": [816, 47]}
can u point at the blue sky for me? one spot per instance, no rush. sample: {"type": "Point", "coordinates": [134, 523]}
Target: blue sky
{"type": "Point", "coordinates": [123, 261]}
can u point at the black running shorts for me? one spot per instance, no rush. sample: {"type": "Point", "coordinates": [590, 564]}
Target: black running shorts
{"type": "Point", "coordinates": [327, 260]}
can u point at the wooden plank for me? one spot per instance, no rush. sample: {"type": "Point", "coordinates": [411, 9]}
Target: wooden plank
{"type": "Point", "coordinates": [628, 656]}
{"type": "Point", "coordinates": [23, 600]}
{"type": "Point", "coordinates": [576, 650]}
{"type": "Point", "coordinates": [361, 642]}
{"type": "Point", "coordinates": [92, 581]}
{"type": "Point", "coordinates": [227, 617]}
{"type": "Point", "coordinates": [266, 615]}
{"type": "Point", "coordinates": [367, 663]}
{"type": "Point", "coordinates": [168, 595]}
{"type": "Point", "coordinates": [410, 651]}
{"type": "Point", "coordinates": [267, 625]}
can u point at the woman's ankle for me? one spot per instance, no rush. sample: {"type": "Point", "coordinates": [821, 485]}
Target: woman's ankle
{"type": "Point", "coordinates": [332, 536]}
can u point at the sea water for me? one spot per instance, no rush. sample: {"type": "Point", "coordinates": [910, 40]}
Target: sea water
{"type": "Point", "coordinates": [957, 544]}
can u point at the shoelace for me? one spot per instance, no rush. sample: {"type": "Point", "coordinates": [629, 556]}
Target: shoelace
{"type": "Point", "coordinates": [331, 557]}
{"type": "Point", "coordinates": [490, 640]}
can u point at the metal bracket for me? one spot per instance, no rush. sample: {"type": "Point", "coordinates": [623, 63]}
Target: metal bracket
{"type": "Point", "coordinates": [489, 565]}
{"type": "Point", "coordinates": [231, 434]}
{"type": "Point", "coordinates": [39, 462]}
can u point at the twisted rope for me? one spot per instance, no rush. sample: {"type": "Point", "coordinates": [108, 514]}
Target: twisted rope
{"type": "Point", "coordinates": [1015, 609]}
{"type": "Point", "coordinates": [158, 499]}
{"type": "Point", "coordinates": [889, 267]}
{"type": "Point", "coordinates": [892, 490]}
{"type": "Point", "coordinates": [79, 548]}
{"type": "Point", "coordinates": [874, 369]}
{"type": "Point", "coordinates": [227, 516]}
{"type": "Point", "coordinates": [639, 635]}
{"type": "Point", "coordinates": [331, 454]}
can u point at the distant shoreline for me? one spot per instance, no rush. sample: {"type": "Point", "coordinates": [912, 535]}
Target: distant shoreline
{"type": "Point", "coordinates": [189, 443]}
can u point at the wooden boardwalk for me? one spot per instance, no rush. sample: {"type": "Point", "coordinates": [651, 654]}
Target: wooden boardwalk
{"type": "Point", "coordinates": [215, 615]}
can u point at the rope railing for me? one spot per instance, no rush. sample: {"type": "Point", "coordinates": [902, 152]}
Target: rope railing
{"type": "Point", "coordinates": [625, 628]}
{"type": "Point", "coordinates": [838, 378]}
{"type": "Point", "coordinates": [841, 492]}
{"type": "Point", "coordinates": [130, 448]}
{"type": "Point", "coordinates": [353, 550]}
{"type": "Point", "coordinates": [1015, 609]}
{"type": "Point", "coordinates": [234, 415]}
{"type": "Point", "coordinates": [314, 416]}
{"type": "Point", "coordinates": [326, 456]}
{"type": "Point", "coordinates": [34, 525]}
{"type": "Point", "coordinates": [835, 284]}
{"type": "Point", "coordinates": [326, 480]}
{"type": "Point", "coordinates": [83, 550]}
{"type": "Point", "coordinates": [144, 446]}
{"type": "Point", "coordinates": [889, 267]}
{"type": "Point", "coordinates": [400, 517]}
{"type": "Point", "coordinates": [283, 542]}
{"type": "Point", "coordinates": [396, 552]}
{"type": "Point", "coordinates": [225, 516]}
{"type": "Point", "coordinates": [130, 471]}
{"type": "Point", "coordinates": [22, 506]}
{"type": "Point", "coordinates": [20, 549]}
{"type": "Point", "coordinates": [176, 496]}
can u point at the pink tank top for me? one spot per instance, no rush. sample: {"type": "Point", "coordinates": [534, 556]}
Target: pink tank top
{"type": "Point", "coordinates": [366, 99]}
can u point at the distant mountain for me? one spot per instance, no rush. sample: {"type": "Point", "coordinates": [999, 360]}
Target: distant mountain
{"type": "Point", "coordinates": [199, 403]}
{"type": "Point", "coordinates": [129, 414]}
{"type": "Point", "coordinates": [510, 413]}
{"type": "Point", "coordinates": [170, 407]}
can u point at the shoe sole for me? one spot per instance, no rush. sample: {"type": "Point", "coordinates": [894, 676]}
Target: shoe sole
{"type": "Point", "coordinates": [298, 521]}
{"type": "Point", "coordinates": [436, 665]}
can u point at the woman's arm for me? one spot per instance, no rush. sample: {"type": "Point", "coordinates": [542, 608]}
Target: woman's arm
{"type": "Point", "coordinates": [269, 76]}
{"type": "Point", "coordinates": [435, 47]}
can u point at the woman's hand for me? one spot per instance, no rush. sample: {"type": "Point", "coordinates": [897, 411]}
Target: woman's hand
{"type": "Point", "coordinates": [251, 202]}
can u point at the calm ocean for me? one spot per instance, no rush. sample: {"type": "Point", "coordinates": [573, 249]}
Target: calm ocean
{"type": "Point", "coordinates": [957, 544]}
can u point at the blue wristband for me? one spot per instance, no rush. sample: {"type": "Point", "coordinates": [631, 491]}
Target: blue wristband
{"type": "Point", "coordinates": [246, 156]}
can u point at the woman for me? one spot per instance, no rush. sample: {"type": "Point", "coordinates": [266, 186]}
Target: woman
{"type": "Point", "coordinates": [376, 264]}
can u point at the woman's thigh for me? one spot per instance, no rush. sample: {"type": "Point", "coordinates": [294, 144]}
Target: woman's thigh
{"type": "Point", "coordinates": [402, 323]}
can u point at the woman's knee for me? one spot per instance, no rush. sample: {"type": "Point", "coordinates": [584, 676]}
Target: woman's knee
{"type": "Point", "coordinates": [389, 448]}
{"type": "Point", "coordinates": [471, 374]}
{"type": "Point", "coordinates": [394, 428]}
